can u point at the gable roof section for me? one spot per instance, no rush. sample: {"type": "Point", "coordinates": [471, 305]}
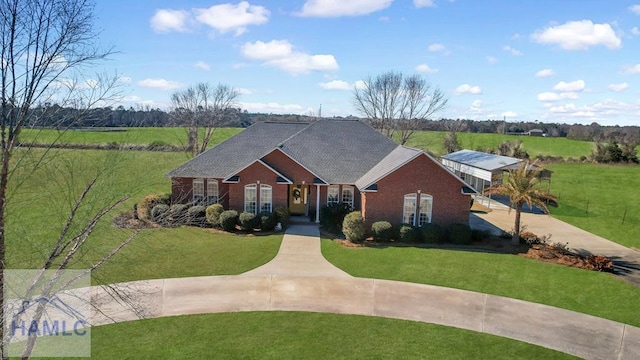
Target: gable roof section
{"type": "Point", "coordinates": [338, 151]}
{"type": "Point", "coordinates": [239, 151]}
{"type": "Point", "coordinates": [399, 157]}
{"type": "Point", "coordinates": [480, 160]}
{"type": "Point", "coordinates": [281, 178]}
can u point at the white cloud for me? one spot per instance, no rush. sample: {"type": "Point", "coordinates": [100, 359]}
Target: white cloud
{"type": "Point", "coordinates": [335, 8]}
{"type": "Point", "coordinates": [632, 69]}
{"type": "Point", "coordinates": [360, 84]}
{"type": "Point", "coordinates": [232, 18]}
{"type": "Point", "coordinates": [202, 66]}
{"type": "Point", "coordinates": [635, 9]}
{"type": "Point", "coordinates": [437, 48]}
{"type": "Point", "coordinates": [509, 114]}
{"type": "Point", "coordinates": [423, 3]}
{"type": "Point", "coordinates": [635, 31]}
{"type": "Point", "coordinates": [468, 89]}
{"type": "Point", "coordinates": [476, 103]}
{"type": "Point", "coordinates": [424, 68]}
{"type": "Point", "coordinates": [165, 20]}
{"type": "Point", "coordinates": [578, 35]}
{"type": "Point", "coordinates": [492, 59]}
{"type": "Point", "coordinates": [572, 86]}
{"type": "Point", "coordinates": [280, 54]}
{"type": "Point", "coordinates": [551, 96]}
{"type": "Point", "coordinates": [273, 49]}
{"type": "Point", "coordinates": [336, 85]}
{"type": "Point", "coordinates": [161, 84]}
{"type": "Point", "coordinates": [275, 108]}
{"type": "Point", "coordinates": [511, 50]}
{"type": "Point", "coordinates": [618, 87]}
{"type": "Point", "coordinates": [545, 73]}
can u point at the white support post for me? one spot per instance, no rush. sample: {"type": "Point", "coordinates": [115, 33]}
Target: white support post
{"type": "Point", "coordinates": [317, 203]}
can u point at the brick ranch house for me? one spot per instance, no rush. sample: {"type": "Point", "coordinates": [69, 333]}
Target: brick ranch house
{"type": "Point", "coordinates": [306, 166]}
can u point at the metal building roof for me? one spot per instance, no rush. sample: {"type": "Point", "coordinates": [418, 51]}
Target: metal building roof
{"type": "Point", "coordinates": [484, 161]}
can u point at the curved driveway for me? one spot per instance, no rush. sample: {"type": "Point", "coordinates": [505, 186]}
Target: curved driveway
{"type": "Point", "coordinates": [299, 279]}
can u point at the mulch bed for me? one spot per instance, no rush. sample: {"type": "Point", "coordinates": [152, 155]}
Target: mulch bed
{"type": "Point", "coordinates": [128, 221]}
{"type": "Point", "coordinates": [558, 255]}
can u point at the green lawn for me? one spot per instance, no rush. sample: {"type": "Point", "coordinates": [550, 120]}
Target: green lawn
{"type": "Point", "coordinates": [39, 203]}
{"type": "Point", "coordinates": [295, 335]}
{"type": "Point", "coordinates": [433, 141]}
{"type": "Point", "coordinates": [589, 292]}
{"type": "Point", "coordinates": [137, 136]}
{"type": "Point", "coordinates": [595, 198]}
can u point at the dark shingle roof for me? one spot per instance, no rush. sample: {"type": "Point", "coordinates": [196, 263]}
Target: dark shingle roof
{"type": "Point", "coordinates": [338, 151]}
{"type": "Point", "coordinates": [398, 157]}
{"type": "Point", "coordinates": [238, 151]}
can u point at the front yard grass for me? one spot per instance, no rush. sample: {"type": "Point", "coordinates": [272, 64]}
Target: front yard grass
{"type": "Point", "coordinates": [590, 292]}
{"type": "Point", "coordinates": [296, 335]}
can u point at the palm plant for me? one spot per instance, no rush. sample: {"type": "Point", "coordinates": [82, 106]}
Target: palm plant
{"type": "Point", "coordinates": [522, 187]}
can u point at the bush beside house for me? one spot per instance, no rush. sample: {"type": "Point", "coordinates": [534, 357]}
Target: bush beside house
{"type": "Point", "coordinates": [353, 227]}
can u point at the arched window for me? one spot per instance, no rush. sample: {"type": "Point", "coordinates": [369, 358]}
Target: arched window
{"type": "Point", "coordinates": [266, 198]}
{"type": "Point", "coordinates": [413, 207]}
{"type": "Point", "coordinates": [212, 191]}
{"type": "Point", "coordinates": [250, 198]}
{"type": "Point", "coordinates": [426, 204]}
{"type": "Point", "coordinates": [409, 209]}
{"type": "Point", "coordinates": [198, 191]}
{"type": "Point", "coordinates": [333, 192]}
{"type": "Point", "coordinates": [347, 195]}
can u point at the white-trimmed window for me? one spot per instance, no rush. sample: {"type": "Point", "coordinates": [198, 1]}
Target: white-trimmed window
{"type": "Point", "coordinates": [347, 195]}
{"type": "Point", "coordinates": [212, 191]}
{"type": "Point", "coordinates": [426, 203]}
{"type": "Point", "coordinates": [250, 198]}
{"type": "Point", "coordinates": [198, 191]}
{"type": "Point", "coordinates": [333, 194]}
{"type": "Point", "coordinates": [409, 209]}
{"type": "Point", "coordinates": [266, 198]}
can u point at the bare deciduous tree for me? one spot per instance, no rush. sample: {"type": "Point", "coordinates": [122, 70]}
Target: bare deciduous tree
{"type": "Point", "coordinates": [202, 107]}
{"type": "Point", "coordinates": [394, 103]}
{"type": "Point", "coordinates": [44, 47]}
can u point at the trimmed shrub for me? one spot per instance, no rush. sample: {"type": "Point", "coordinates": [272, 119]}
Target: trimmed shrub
{"type": "Point", "coordinates": [382, 230]}
{"type": "Point", "coordinates": [178, 214]}
{"type": "Point", "coordinates": [353, 227]}
{"type": "Point", "coordinates": [480, 235]}
{"type": "Point", "coordinates": [282, 216]}
{"type": "Point", "coordinates": [460, 234]}
{"type": "Point", "coordinates": [165, 198]}
{"type": "Point", "coordinates": [431, 233]}
{"type": "Point", "coordinates": [197, 215]}
{"type": "Point", "coordinates": [146, 205]}
{"type": "Point", "coordinates": [247, 221]}
{"type": "Point", "coordinates": [228, 220]}
{"type": "Point", "coordinates": [159, 213]}
{"type": "Point", "coordinates": [407, 233]}
{"type": "Point", "coordinates": [213, 214]}
{"type": "Point", "coordinates": [267, 221]}
{"type": "Point", "coordinates": [332, 216]}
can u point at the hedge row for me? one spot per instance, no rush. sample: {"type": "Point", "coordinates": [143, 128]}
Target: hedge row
{"type": "Point", "coordinates": [354, 229]}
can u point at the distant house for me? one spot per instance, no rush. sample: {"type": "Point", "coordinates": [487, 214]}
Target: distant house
{"type": "Point", "coordinates": [307, 166]}
{"type": "Point", "coordinates": [535, 132]}
{"type": "Point", "coordinates": [481, 170]}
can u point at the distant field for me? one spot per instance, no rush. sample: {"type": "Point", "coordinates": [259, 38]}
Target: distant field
{"type": "Point", "coordinates": [39, 203]}
{"type": "Point", "coordinates": [433, 141]}
{"type": "Point", "coordinates": [139, 136]}
{"type": "Point", "coordinates": [596, 197]}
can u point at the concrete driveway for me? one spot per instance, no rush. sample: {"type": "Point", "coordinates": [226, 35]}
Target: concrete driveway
{"type": "Point", "coordinates": [626, 261]}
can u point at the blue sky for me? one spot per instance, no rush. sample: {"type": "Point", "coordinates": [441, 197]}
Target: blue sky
{"type": "Point", "coordinates": [573, 61]}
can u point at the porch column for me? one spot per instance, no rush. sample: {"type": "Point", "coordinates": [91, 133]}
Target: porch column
{"type": "Point", "coordinates": [317, 203]}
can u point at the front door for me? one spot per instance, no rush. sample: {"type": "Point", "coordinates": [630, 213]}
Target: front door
{"type": "Point", "coordinates": [298, 199]}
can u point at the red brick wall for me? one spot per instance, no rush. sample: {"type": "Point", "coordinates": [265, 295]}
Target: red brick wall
{"type": "Point", "coordinates": [289, 168]}
{"type": "Point", "coordinates": [449, 205]}
{"type": "Point", "coordinates": [252, 175]}
{"type": "Point", "coordinates": [181, 190]}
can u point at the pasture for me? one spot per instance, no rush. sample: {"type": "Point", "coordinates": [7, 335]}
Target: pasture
{"type": "Point", "coordinates": [43, 192]}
